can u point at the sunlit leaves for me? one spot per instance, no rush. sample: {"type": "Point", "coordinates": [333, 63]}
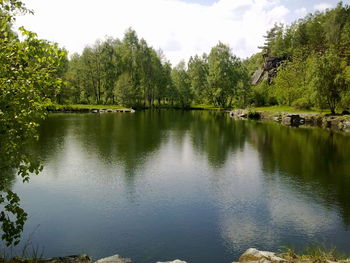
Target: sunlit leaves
{"type": "Point", "coordinates": [28, 73]}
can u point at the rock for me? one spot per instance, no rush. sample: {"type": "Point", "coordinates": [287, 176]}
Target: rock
{"type": "Point", "coordinates": [286, 120]}
{"type": "Point", "coordinates": [346, 126]}
{"type": "Point", "coordinates": [69, 259]}
{"type": "Point", "coordinates": [335, 123]}
{"type": "Point", "coordinates": [114, 259]}
{"type": "Point", "coordinates": [240, 114]}
{"type": "Point", "coordinates": [254, 255]}
{"type": "Point", "coordinates": [293, 120]}
{"type": "Point", "coordinates": [345, 112]}
{"type": "Point", "coordinates": [175, 261]}
{"type": "Point", "coordinates": [257, 76]}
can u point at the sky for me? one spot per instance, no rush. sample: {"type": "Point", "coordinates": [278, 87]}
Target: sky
{"type": "Point", "coordinates": [181, 28]}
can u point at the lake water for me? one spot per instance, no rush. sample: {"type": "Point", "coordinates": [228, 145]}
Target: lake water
{"type": "Point", "coordinates": [194, 185]}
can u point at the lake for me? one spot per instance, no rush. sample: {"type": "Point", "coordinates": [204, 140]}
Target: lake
{"type": "Point", "coordinates": [193, 185]}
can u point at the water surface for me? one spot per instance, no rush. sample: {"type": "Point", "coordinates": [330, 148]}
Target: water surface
{"type": "Point", "coordinates": [194, 185]}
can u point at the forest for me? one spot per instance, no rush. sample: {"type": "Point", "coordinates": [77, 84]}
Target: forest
{"type": "Point", "coordinates": [313, 72]}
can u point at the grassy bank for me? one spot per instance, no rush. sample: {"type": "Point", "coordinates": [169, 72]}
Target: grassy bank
{"type": "Point", "coordinates": [290, 109]}
{"type": "Point", "coordinates": [315, 254]}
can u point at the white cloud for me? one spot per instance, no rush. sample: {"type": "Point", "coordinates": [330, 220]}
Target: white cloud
{"type": "Point", "coordinates": [181, 29]}
{"type": "Point", "coordinates": [322, 6]}
{"type": "Point", "coordinates": [301, 11]}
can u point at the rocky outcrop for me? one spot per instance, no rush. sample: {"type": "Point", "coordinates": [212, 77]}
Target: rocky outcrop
{"type": "Point", "coordinates": [268, 71]}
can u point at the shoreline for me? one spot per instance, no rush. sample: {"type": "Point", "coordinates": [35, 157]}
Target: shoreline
{"type": "Point", "coordinates": [294, 119]}
{"type": "Point", "coordinates": [251, 255]}
{"type": "Point", "coordinates": [325, 121]}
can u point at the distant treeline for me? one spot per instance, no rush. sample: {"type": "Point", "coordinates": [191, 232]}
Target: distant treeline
{"type": "Point", "coordinates": [131, 73]}
{"type": "Point", "coordinates": [315, 72]}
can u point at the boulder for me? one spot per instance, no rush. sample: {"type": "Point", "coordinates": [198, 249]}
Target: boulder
{"type": "Point", "coordinates": [335, 123]}
{"type": "Point", "coordinates": [287, 120]}
{"type": "Point", "coordinates": [114, 259]}
{"type": "Point", "coordinates": [240, 114]}
{"type": "Point", "coordinates": [293, 120]}
{"type": "Point", "coordinates": [254, 255]}
{"type": "Point", "coordinates": [175, 261]}
{"type": "Point", "coordinates": [346, 126]}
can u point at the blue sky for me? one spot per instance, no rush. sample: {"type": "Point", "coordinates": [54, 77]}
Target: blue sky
{"type": "Point", "coordinates": [180, 28]}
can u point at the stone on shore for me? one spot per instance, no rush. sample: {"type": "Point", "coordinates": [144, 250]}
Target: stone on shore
{"type": "Point", "coordinates": [114, 259]}
{"type": "Point", "coordinates": [175, 261]}
{"type": "Point", "coordinates": [257, 256]}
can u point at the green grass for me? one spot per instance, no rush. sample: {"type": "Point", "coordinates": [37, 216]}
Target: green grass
{"type": "Point", "coordinates": [315, 253]}
{"type": "Point", "coordinates": [278, 108]}
{"type": "Point", "coordinates": [205, 107]}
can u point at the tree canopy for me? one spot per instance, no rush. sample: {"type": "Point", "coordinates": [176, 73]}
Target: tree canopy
{"type": "Point", "coordinates": [29, 77]}
{"type": "Point", "coordinates": [316, 54]}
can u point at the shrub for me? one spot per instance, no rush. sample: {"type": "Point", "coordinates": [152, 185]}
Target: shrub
{"type": "Point", "coordinates": [301, 104]}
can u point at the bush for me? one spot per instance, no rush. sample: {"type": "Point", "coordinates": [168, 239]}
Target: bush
{"type": "Point", "coordinates": [301, 104]}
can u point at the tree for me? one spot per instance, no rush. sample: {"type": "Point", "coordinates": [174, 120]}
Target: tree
{"type": "Point", "coordinates": [198, 74]}
{"type": "Point", "coordinates": [293, 80]}
{"type": "Point", "coordinates": [28, 76]}
{"type": "Point", "coordinates": [223, 75]}
{"type": "Point", "coordinates": [182, 85]}
{"type": "Point", "coordinates": [330, 78]}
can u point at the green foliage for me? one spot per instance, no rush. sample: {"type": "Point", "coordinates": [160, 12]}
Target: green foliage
{"type": "Point", "coordinates": [262, 94]}
{"type": "Point", "coordinates": [198, 74]}
{"type": "Point", "coordinates": [302, 104]}
{"type": "Point", "coordinates": [28, 77]}
{"type": "Point", "coordinates": [182, 85]}
{"type": "Point", "coordinates": [293, 80]}
{"type": "Point", "coordinates": [125, 71]}
{"type": "Point", "coordinates": [316, 56]}
{"type": "Point", "coordinates": [223, 75]}
{"type": "Point", "coordinates": [330, 81]}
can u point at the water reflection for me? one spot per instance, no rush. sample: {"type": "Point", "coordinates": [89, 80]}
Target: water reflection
{"type": "Point", "coordinates": [159, 185]}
